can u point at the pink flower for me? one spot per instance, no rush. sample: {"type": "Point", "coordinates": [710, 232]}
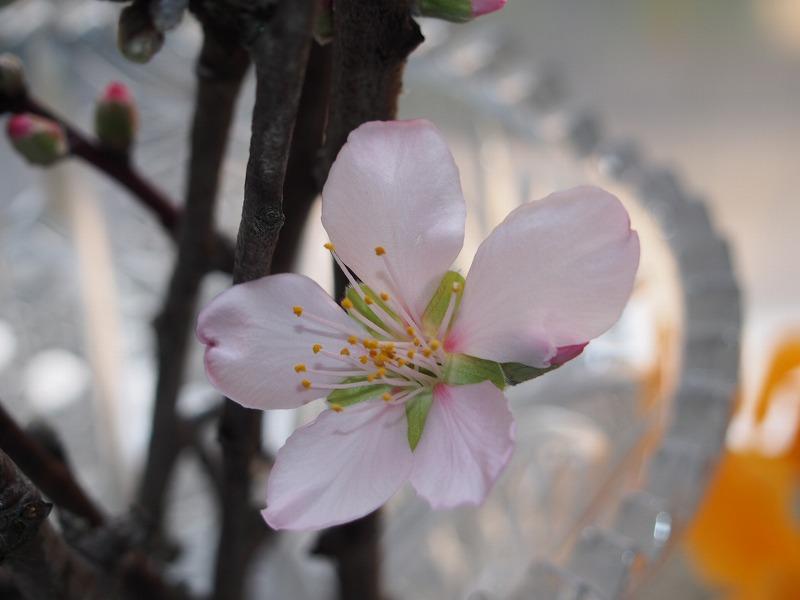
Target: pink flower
{"type": "Point", "coordinates": [414, 365]}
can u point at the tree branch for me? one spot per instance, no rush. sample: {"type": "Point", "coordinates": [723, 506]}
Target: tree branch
{"type": "Point", "coordinates": [118, 167]}
{"type": "Point", "coordinates": [220, 71]}
{"type": "Point", "coordinates": [41, 565]}
{"type": "Point", "coordinates": [280, 54]}
{"type": "Point", "coordinates": [301, 186]}
{"type": "Point", "coordinates": [49, 474]}
{"type": "Point", "coordinates": [372, 40]}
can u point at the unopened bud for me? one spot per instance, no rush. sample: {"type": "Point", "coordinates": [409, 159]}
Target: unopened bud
{"type": "Point", "coordinates": [116, 118]}
{"type": "Point", "coordinates": [323, 28]}
{"type": "Point", "coordinates": [12, 76]}
{"type": "Point", "coordinates": [458, 11]}
{"type": "Point", "coordinates": [138, 38]}
{"type": "Point", "coordinates": [40, 141]}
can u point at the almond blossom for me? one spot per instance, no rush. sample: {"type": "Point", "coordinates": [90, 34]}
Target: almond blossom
{"type": "Point", "coordinates": [413, 361]}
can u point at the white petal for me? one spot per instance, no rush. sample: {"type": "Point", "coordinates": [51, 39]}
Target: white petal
{"type": "Point", "coordinates": [555, 273]}
{"type": "Point", "coordinates": [339, 467]}
{"type": "Point", "coordinates": [467, 442]}
{"type": "Point", "coordinates": [395, 185]}
{"type": "Point", "coordinates": [253, 340]}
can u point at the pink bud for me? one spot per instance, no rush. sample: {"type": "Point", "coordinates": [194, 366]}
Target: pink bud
{"type": "Point", "coordinates": [19, 126]}
{"type": "Point", "coordinates": [116, 118]}
{"type": "Point", "coordinates": [117, 92]}
{"type": "Point", "coordinates": [483, 7]}
{"type": "Point", "coordinates": [40, 141]}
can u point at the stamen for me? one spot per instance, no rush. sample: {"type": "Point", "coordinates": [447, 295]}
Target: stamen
{"type": "Point", "coordinates": [363, 359]}
{"type": "Point", "coordinates": [344, 352]}
{"type": "Point", "coordinates": [306, 383]}
{"type": "Point", "coordinates": [444, 326]}
{"type": "Point", "coordinates": [324, 322]}
{"type": "Point", "coordinates": [369, 301]}
{"type": "Point", "coordinates": [353, 340]}
{"type": "Point", "coordinates": [329, 246]}
{"type": "Point", "coordinates": [434, 344]}
{"type": "Point", "coordinates": [316, 348]}
{"type": "Point", "coordinates": [386, 397]}
{"type": "Point", "coordinates": [298, 310]}
{"type": "Point", "coordinates": [385, 297]}
{"type": "Point", "coordinates": [300, 368]}
{"type": "Point", "coordinates": [347, 304]}
{"type": "Point", "coordinates": [380, 250]}
{"type": "Point", "coordinates": [369, 324]}
{"type": "Point", "coordinates": [336, 408]}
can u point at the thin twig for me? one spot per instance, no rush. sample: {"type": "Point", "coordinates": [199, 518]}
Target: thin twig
{"type": "Point", "coordinates": [220, 71]}
{"type": "Point", "coordinates": [372, 40]}
{"type": "Point", "coordinates": [280, 54]}
{"type": "Point", "coordinates": [119, 168]}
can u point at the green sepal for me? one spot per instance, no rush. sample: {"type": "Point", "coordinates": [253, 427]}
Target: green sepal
{"type": "Point", "coordinates": [461, 369]}
{"type": "Point", "coordinates": [351, 396]}
{"type": "Point", "coordinates": [455, 11]}
{"type": "Point", "coordinates": [437, 307]}
{"type": "Point", "coordinates": [364, 309]}
{"type": "Point", "coordinates": [516, 373]}
{"type": "Point", "coordinates": [115, 125]}
{"type": "Point", "coordinates": [417, 410]}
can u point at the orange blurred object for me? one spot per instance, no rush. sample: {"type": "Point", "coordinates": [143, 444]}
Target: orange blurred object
{"type": "Point", "coordinates": [746, 535]}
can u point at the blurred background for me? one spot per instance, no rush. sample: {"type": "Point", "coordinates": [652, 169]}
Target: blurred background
{"type": "Point", "coordinates": [708, 89]}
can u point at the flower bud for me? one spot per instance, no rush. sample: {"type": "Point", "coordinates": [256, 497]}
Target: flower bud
{"type": "Point", "coordinates": [40, 141]}
{"type": "Point", "coordinates": [12, 76]}
{"type": "Point", "coordinates": [116, 118]}
{"type": "Point", "coordinates": [137, 36]}
{"type": "Point", "coordinates": [458, 11]}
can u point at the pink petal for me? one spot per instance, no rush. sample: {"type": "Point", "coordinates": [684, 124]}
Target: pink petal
{"type": "Point", "coordinates": [395, 185]}
{"type": "Point", "coordinates": [253, 340]}
{"type": "Point", "coordinates": [467, 442]}
{"type": "Point", "coordinates": [555, 273]}
{"type": "Point", "coordinates": [339, 467]}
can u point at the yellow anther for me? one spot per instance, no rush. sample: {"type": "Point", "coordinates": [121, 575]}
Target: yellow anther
{"type": "Point", "coordinates": [371, 377]}
{"type": "Point", "coordinates": [298, 310]}
{"type": "Point", "coordinates": [417, 341]}
{"type": "Point", "coordinates": [301, 368]}
{"type": "Point", "coordinates": [373, 353]}
{"type": "Point", "coordinates": [316, 348]}
{"type": "Point", "coordinates": [368, 300]}
{"type": "Point", "coordinates": [379, 362]}
{"type": "Point", "coordinates": [386, 396]}
{"type": "Point", "coordinates": [400, 362]}
{"type": "Point", "coordinates": [336, 408]}
{"type": "Point", "coordinates": [456, 286]}
{"type": "Point", "coordinates": [384, 296]}
{"type": "Point", "coordinates": [427, 352]}
{"type": "Point", "coordinates": [363, 359]}
{"type": "Point", "coordinates": [306, 383]}
{"type": "Point", "coordinates": [347, 304]}
{"type": "Point", "coordinates": [410, 354]}
{"type": "Point", "coordinates": [352, 340]}
{"type": "Point", "coordinates": [380, 250]}
{"type": "Point", "coordinates": [435, 344]}
{"type": "Point", "coordinates": [344, 352]}
{"type": "Point", "coordinates": [381, 372]}
{"type": "Point", "coordinates": [410, 331]}
{"type": "Point", "coordinates": [329, 246]}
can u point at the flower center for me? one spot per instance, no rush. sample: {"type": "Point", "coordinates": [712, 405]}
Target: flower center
{"type": "Point", "coordinates": [388, 350]}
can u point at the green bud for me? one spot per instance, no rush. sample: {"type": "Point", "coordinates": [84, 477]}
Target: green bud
{"type": "Point", "coordinates": [12, 76]}
{"type": "Point", "coordinates": [40, 141]}
{"type": "Point", "coordinates": [115, 117]}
